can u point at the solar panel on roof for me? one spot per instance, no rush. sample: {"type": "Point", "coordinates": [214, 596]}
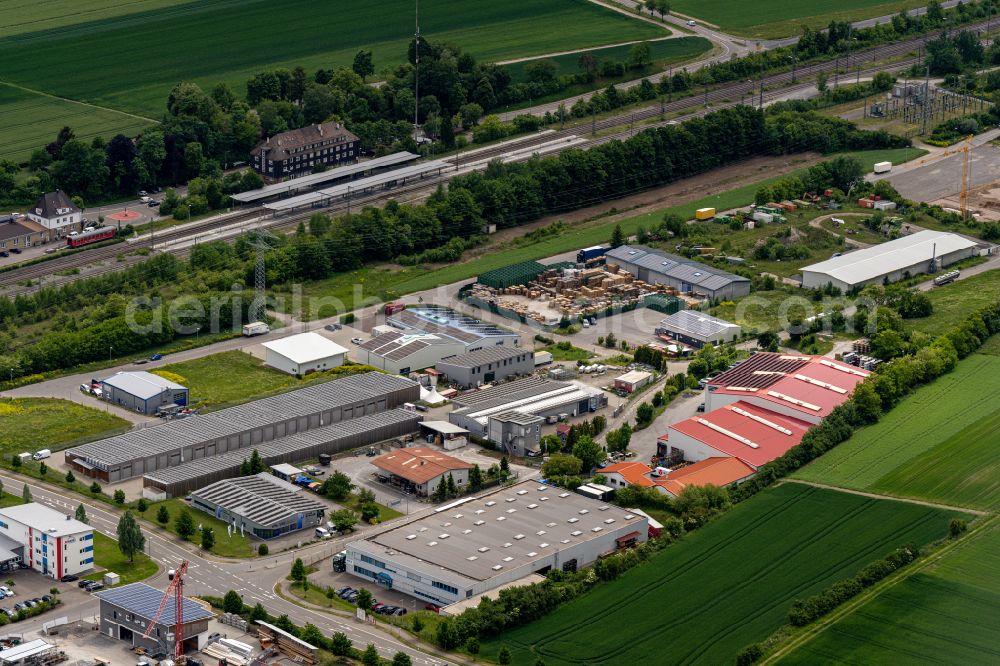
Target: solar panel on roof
{"type": "Point", "coordinates": [144, 600]}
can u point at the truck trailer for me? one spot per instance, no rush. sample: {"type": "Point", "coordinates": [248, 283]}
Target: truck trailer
{"type": "Point", "coordinates": [255, 328]}
{"type": "Point", "coordinates": [588, 253]}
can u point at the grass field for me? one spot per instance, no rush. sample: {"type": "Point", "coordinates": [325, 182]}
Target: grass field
{"type": "Point", "coordinates": [130, 62]}
{"type": "Point", "coordinates": [957, 461]}
{"type": "Point", "coordinates": [943, 614]}
{"type": "Point", "coordinates": [225, 546]}
{"type": "Point", "coordinates": [777, 18]}
{"type": "Point", "coordinates": [108, 558]}
{"type": "Point", "coordinates": [663, 52]}
{"type": "Point", "coordinates": [991, 346]}
{"type": "Point", "coordinates": [954, 301]}
{"type": "Point", "coordinates": [227, 377]}
{"type": "Point", "coordinates": [32, 120]}
{"type": "Point", "coordinates": [29, 424]}
{"type": "Point", "coordinates": [726, 585]}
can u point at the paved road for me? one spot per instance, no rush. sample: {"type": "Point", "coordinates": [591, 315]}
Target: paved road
{"type": "Point", "coordinates": [255, 580]}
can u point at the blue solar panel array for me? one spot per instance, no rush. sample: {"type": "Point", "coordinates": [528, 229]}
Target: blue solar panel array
{"type": "Point", "coordinates": [143, 600]}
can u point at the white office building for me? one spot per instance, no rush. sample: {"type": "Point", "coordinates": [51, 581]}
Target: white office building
{"type": "Point", "coordinates": [55, 543]}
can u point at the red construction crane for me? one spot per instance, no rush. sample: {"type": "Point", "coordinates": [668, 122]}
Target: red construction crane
{"type": "Point", "coordinates": [176, 588]}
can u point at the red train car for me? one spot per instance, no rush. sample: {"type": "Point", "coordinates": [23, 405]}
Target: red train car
{"type": "Point", "coordinates": [92, 236]}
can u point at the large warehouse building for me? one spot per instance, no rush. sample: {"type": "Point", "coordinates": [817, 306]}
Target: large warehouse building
{"type": "Point", "coordinates": [685, 275]}
{"type": "Point", "coordinates": [802, 387]}
{"type": "Point", "coordinates": [500, 537]}
{"type": "Point", "coordinates": [401, 353]}
{"type": "Point", "coordinates": [176, 442]}
{"type": "Point", "coordinates": [262, 505]}
{"type": "Point", "coordinates": [443, 321]}
{"type": "Point", "coordinates": [532, 395]}
{"type": "Point", "coordinates": [488, 365]}
{"type": "Point", "coordinates": [342, 436]}
{"type": "Point", "coordinates": [922, 252]}
{"type": "Point", "coordinates": [142, 392]}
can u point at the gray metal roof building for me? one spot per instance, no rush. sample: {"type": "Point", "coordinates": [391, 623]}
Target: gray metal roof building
{"type": "Point", "coordinates": [142, 391]}
{"type": "Point", "coordinates": [486, 541]}
{"type": "Point", "coordinates": [698, 329]}
{"type": "Point", "coordinates": [893, 260]}
{"type": "Point", "coordinates": [175, 442]}
{"type": "Point", "coordinates": [403, 352]}
{"type": "Point", "coordinates": [487, 365]}
{"type": "Point", "coordinates": [361, 431]}
{"type": "Point", "coordinates": [259, 505]}
{"type": "Point", "coordinates": [685, 275]}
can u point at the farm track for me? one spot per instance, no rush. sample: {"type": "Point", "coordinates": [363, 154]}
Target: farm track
{"type": "Point", "coordinates": [720, 97]}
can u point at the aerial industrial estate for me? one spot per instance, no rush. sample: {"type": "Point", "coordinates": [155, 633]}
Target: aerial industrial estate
{"type": "Point", "coordinates": [508, 336]}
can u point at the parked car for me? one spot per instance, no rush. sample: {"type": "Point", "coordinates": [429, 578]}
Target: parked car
{"type": "Point", "coordinates": [4, 253]}
{"type": "Point", "coordinates": [28, 603]}
{"type": "Point", "coordinates": [19, 606]}
{"type": "Point", "coordinates": [701, 407]}
{"type": "Point", "coordinates": [153, 203]}
{"type": "Point", "coordinates": [84, 583]}
{"type": "Point", "coordinates": [143, 193]}
{"type": "Point", "coordinates": [15, 250]}
{"type": "Point", "coordinates": [432, 607]}
{"type": "Point", "coordinates": [6, 591]}
{"type": "Point", "coordinates": [691, 24]}
{"type": "Point", "coordinates": [96, 586]}
{"type": "Point", "coordinates": [399, 612]}
{"type": "Point", "coordinates": [333, 327]}
{"type": "Point", "coordinates": [46, 597]}
{"type": "Point", "coordinates": [69, 578]}
{"type": "Point", "coordinates": [357, 341]}
{"type": "Point", "coordinates": [156, 357]}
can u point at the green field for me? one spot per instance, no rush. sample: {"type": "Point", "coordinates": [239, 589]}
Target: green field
{"type": "Point", "coordinates": [228, 377]}
{"type": "Point", "coordinates": [29, 424]}
{"type": "Point", "coordinates": [663, 51]}
{"type": "Point", "coordinates": [728, 584]}
{"type": "Point", "coordinates": [941, 443]}
{"type": "Point", "coordinates": [130, 62]}
{"type": "Point", "coordinates": [32, 120]}
{"type": "Point", "coordinates": [764, 19]}
{"type": "Point", "coordinates": [225, 545]}
{"type": "Point", "coordinates": [954, 301]}
{"type": "Point", "coordinates": [946, 613]}
{"type": "Point", "coordinates": [107, 557]}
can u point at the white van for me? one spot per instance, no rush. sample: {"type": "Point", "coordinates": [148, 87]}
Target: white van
{"type": "Point", "coordinates": [41, 455]}
{"type": "Point", "coordinates": [322, 533]}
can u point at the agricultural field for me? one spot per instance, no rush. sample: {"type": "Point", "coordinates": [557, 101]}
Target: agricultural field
{"type": "Point", "coordinates": [728, 584]}
{"type": "Point", "coordinates": [943, 614]}
{"type": "Point", "coordinates": [130, 62]}
{"type": "Point", "coordinates": [954, 301]}
{"type": "Point", "coordinates": [29, 424]}
{"type": "Point", "coordinates": [32, 119]}
{"type": "Point", "coordinates": [663, 52]}
{"type": "Point", "coordinates": [957, 461]}
{"type": "Point", "coordinates": [766, 19]}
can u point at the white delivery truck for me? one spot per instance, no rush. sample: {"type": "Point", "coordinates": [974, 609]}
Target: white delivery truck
{"type": "Point", "coordinates": [41, 455]}
{"type": "Point", "coordinates": [255, 328]}
{"type": "Point", "coordinates": [883, 167]}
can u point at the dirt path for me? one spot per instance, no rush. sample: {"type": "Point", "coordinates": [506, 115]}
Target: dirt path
{"type": "Point", "coordinates": [585, 49]}
{"type": "Point", "coordinates": [933, 505]}
{"type": "Point", "coordinates": [818, 223]}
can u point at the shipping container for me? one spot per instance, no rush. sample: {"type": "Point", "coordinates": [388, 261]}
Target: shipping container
{"type": "Point", "coordinates": [883, 167]}
{"type": "Point", "coordinates": [704, 214]}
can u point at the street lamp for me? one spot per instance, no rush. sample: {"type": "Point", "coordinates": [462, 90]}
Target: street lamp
{"type": "Point", "coordinates": [110, 348]}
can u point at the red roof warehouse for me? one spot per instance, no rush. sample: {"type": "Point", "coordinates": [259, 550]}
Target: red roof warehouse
{"type": "Point", "coordinates": [802, 387]}
{"type": "Point", "coordinates": [740, 430]}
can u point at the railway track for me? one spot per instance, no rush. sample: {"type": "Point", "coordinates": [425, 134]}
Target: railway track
{"type": "Point", "coordinates": [23, 280]}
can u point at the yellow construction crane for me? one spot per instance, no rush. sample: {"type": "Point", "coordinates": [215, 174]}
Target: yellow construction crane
{"type": "Point", "coordinates": [963, 196]}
